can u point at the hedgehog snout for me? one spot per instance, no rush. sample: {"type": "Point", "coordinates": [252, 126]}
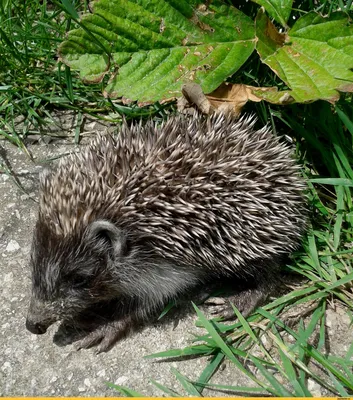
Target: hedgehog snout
{"type": "Point", "coordinates": [39, 317]}
{"type": "Point", "coordinates": [35, 327]}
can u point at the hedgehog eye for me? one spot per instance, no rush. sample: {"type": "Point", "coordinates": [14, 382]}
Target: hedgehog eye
{"type": "Point", "coordinates": [77, 281]}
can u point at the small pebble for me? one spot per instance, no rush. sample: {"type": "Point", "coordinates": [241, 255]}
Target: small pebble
{"type": "Point", "coordinates": [12, 246]}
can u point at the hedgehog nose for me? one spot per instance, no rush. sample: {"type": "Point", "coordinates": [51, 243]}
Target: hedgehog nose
{"type": "Point", "coordinates": [35, 327]}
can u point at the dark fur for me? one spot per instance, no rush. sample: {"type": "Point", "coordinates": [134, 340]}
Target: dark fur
{"type": "Point", "coordinates": [127, 225]}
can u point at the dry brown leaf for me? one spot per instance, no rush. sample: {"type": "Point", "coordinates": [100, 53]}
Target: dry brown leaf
{"type": "Point", "coordinates": [194, 97]}
{"type": "Point", "coordinates": [227, 98]}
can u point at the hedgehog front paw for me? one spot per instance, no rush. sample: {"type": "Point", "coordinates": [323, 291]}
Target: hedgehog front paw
{"type": "Point", "coordinates": [68, 333]}
{"type": "Point", "coordinates": [106, 336]}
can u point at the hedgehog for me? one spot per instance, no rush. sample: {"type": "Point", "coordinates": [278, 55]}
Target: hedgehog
{"type": "Point", "coordinates": [133, 221]}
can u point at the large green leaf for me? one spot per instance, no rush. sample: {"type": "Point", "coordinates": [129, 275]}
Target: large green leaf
{"type": "Point", "coordinates": [314, 59]}
{"type": "Point", "coordinates": [151, 48]}
{"type": "Point", "coordinates": [277, 9]}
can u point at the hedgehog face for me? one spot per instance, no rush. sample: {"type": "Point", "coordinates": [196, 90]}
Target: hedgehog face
{"type": "Point", "coordinates": [71, 274]}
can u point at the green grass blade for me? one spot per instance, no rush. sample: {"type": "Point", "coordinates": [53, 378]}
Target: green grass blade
{"type": "Point", "coordinates": [291, 375]}
{"type": "Point", "coordinates": [339, 217]}
{"type": "Point", "coordinates": [70, 9]}
{"type": "Point", "coordinates": [330, 367]}
{"type": "Point", "coordinates": [124, 390]}
{"type": "Point", "coordinates": [209, 371]}
{"type": "Point", "coordinates": [238, 389]}
{"type": "Point", "coordinates": [340, 389]}
{"type": "Point", "coordinates": [345, 119]}
{"type": "Point", "coordinates": [249, 331]}
{"type": "Point", "coordinates": [215, 335]}
{"type": "Point", "coordinates": [333, 181]}
{"type": "Point", "coordinates": [167, 308]}
{"type": "Point", "coordinates": [277, 388]}
{"type": "Point", "coordinates": [164, 389]}
{"type": "Point", "coordinates": [229, 352]}
{"type": "Point", "coordinates": [187, 385]}
{"type": "Point", "coordinates": [187, 351]}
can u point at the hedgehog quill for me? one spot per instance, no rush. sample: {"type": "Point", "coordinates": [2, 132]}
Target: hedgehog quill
{"type": "Point", "coordinates": [134, 221]}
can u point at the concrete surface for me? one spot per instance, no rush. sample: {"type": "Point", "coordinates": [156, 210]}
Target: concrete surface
{"type": "Point", "coordinates": [33, 366]}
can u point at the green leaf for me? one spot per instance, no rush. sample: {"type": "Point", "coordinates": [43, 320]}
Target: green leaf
{"type": "Point", "coordinates": [154, 47]}
{"type": "Point", "coordinates": [278, 9]}
{"type": "Point", "coordinates": [314, 58]}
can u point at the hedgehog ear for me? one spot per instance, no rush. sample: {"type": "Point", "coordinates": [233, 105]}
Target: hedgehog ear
{"type": "Point", "coordinates": [102, 231]}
